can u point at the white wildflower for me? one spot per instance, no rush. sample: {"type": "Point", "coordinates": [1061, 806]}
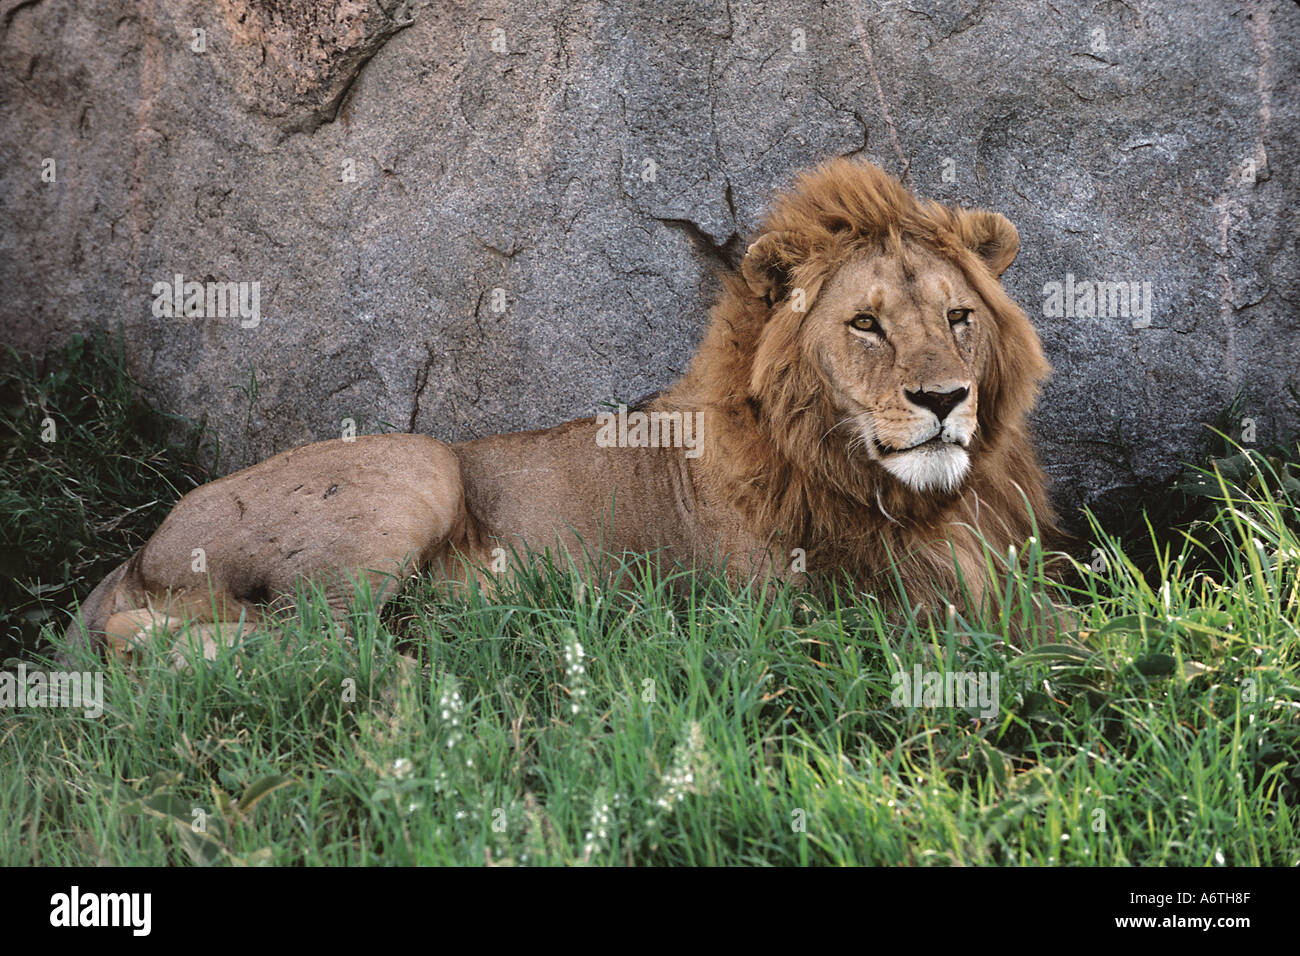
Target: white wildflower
{"type": "Point", "coordinates": [691, 771]}
{"type": "Point", "coordinates": [575, 671]}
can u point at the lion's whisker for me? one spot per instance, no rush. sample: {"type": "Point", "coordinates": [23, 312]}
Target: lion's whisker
{"type": "Point", "coordinates": [843, 421]}
{"type": "Point", "coordinates": [881, 505]}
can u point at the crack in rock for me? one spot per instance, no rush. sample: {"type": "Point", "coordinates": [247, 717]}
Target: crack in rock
{"type": "Point", "coordinates": [295, 61]}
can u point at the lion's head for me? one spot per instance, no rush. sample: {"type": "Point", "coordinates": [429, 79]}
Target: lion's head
{"type": "Point", "coordinates": [901, 341]}
{"type": "Point", "coordinates": [872, 367]}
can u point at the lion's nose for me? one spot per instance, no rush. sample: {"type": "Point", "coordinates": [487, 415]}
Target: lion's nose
{"type": "Point", "coordinates": [941, 403]}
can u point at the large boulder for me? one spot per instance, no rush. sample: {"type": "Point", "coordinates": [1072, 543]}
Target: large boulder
{"type": "Point", "coordinates": [469, 218]}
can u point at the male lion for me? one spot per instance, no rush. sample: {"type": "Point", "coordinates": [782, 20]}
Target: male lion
{"type": "Point", "coordinates": [862, 393]}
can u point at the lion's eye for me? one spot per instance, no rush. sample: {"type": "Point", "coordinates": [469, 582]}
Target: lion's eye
{"type": "Point", "coordinates": [866, 322]}
{"type": "Point", "coordinates": [959, 316]}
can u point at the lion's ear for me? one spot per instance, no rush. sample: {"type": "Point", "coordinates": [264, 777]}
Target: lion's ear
{"type": "Point", "coordinates": [990, 236]}
{"type": "Point", "coordinates": [768, 264]}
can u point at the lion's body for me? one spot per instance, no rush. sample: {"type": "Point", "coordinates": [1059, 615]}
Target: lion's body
{"type": "Point", "coordinates": [880, 448]}
{"type": "Point", "coordinates": [621, 499]}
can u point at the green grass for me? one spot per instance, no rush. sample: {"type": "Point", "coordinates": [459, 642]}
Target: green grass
{"type": "Point", "coordinates": [686, 722]}
{"type": "Point", "coordinates": [87, 471]}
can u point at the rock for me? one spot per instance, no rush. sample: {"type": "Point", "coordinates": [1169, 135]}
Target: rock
{"type": "Point", "coordinates": [464, 219]}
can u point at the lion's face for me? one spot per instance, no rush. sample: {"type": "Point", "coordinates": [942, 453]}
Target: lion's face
{"type": "Point", "coordinates": [919, 353]}
{"type": "Point", "coordinates": [895, 336]}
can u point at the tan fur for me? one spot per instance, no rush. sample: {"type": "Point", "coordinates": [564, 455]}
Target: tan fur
{"type": "Point", "coordinates": [801, 411]}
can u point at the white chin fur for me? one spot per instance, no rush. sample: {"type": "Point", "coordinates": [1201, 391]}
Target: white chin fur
{"type": "Point", "coordinates": [929, 469]}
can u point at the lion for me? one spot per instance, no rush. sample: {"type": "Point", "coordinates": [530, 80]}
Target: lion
{"type": "Point", "coordinates": [861, 397]}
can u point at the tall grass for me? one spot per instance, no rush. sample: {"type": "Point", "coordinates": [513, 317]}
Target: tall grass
{"type": "Point", "coordinates": [87, 470]}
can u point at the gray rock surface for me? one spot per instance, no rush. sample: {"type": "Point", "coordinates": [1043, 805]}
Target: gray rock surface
{"type": "Point", "coordinates": [598, 161]}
